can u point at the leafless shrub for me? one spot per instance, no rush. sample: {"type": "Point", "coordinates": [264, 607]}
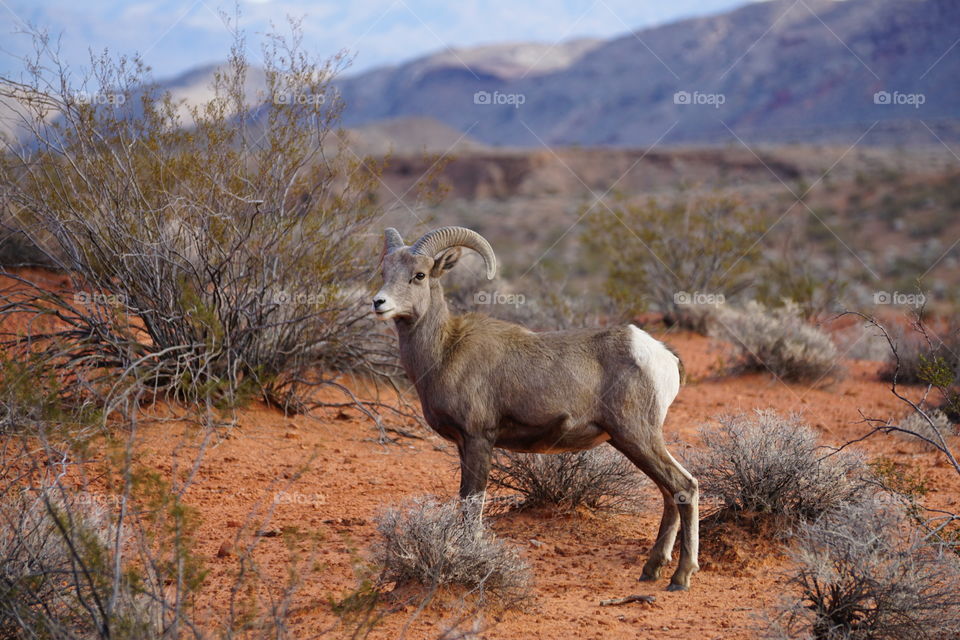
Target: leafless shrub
{"type": "Point", "coordinates": [599, 479]}
{"type": "Point", "coordinates": [777, 340]}
{"type": "Point", "coordinates": [214, 250]}
{"type": "Point", "coordinates": [864, 572]}
{"type": "Point", "coordinates": [933, 428]}
{"type": "Point", "coordinates": [439, 544]}
{"type": "Point", "coordinates": [769, 464]}
{"type": "Point", "coordinates": [940, 378]}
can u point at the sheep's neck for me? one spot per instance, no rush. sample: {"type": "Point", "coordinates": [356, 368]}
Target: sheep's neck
{"type": "Point", "coordinates": [422, 342]}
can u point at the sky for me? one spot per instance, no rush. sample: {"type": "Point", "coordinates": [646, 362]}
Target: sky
{"type": "Point", "coordinates": [176, 35]}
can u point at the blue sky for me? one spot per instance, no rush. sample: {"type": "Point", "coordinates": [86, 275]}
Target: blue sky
{"type": "Point", "coordinates": [175, 35]}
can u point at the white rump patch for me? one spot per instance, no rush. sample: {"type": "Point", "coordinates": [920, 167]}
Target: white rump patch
{"type": "Point", "coordinates": [660, 364]}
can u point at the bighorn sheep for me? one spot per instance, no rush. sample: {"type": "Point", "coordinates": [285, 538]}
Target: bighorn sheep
{"type": "Point", "coordinates": [485, 383]}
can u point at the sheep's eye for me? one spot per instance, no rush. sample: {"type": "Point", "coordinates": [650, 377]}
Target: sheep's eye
{"type": "Point", "coordinates": [420, 276]}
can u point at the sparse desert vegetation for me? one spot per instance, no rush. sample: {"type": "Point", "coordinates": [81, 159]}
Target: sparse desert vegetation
{"type": "Point", "coordinates": [441, 544]}
{"type": "Point", "coordinates": [769, 464]}
{"type": "Point", "coordinates": [205, 433]}
{"type": "Point", "coordinates": [600, 479]}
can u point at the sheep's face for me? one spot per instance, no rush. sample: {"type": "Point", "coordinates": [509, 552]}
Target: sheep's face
{"type": "Point", "coordinates": [408, 282]}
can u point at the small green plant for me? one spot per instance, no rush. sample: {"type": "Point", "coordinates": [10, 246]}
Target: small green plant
{"type": "Point", "coordinates": [899, 481]}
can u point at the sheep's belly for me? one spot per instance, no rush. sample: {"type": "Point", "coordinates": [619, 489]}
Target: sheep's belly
{"type": "Point", "coordinates": [555, 437]}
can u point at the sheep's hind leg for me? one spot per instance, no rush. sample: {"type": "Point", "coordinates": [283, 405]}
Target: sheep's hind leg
{"type": "Point", "coordinates": [662, 549]}
{"type": "Point", "coordinates": [681, 493]}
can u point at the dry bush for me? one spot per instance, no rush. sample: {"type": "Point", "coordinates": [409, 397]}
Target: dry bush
{"type": "Point", "coordinates": [598, 479]}
{"type": "Point", "coordinates": [440, 544]}
{"type": "Point", "coordinates": [777, 340]}
{"type": "Point", "coordinates": [668, 254]}
{"type": "Point", "coordinates": [768, 464]}
{"type": "Point", "coordinates": [863, 572]}
{"type": "Point", "coordinates": [216, 250]}
{"type": "Point", "coordinates": [932, 428]}
{"type": "Point", "coordinates": [924, 353]}
{"type": "Point", "coordinates": [57, 578]}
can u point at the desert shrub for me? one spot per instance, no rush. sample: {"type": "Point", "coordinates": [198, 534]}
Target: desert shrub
{"type": "Point", "coordinates": [809, 272]}
{"type": "Point", "coordinates": [216, 249]}
{"type": "Point", "coordinates": [925, 357]}
{"type": "Point", "coordinates": [932, 428]}
{"type": "Point", "coordinates": [770, 464]}
{"type": "Point", "coordinates": [57, 577]}
{"type": "Point", "coordinates": [777, 340]}
{"type": "Point", "coordinates": [599, 479]}
{"type": "Point", "coordinates": [672, 254]}
{"type": "Point", "coordinates": [441, 544]}
{"type": "Point", "coordinates": [864, 572]}
{"type": "Point", "coordinates": [32, 400]}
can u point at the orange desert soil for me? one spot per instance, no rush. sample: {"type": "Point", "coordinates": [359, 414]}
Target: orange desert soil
{"type": "Point", "coordinates": [250, 478]}
{"type": "Point", "coordinates": [576, 559]}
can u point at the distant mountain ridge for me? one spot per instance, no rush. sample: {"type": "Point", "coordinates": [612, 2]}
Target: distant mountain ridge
{"type": "Point", "coordinates": [881, 72]}
{"type": "Point", "coordinates": [778, 71]}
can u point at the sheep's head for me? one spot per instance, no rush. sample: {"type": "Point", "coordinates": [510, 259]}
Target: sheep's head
{"type": "Point", "coordinates": [408, 271]}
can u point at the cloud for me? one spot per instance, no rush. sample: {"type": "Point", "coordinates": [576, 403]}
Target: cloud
{"type": "Point", "coordinates": [176, 35]}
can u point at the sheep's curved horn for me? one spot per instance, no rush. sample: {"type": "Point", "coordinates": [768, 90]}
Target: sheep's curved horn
{"type": "Point", "coordinates": [391, 240]}
{"type": "Point", "coordinates": [437, 240]}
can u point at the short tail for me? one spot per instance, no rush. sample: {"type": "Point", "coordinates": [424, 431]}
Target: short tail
{"type": "Point", "coordinates": [680, 368]}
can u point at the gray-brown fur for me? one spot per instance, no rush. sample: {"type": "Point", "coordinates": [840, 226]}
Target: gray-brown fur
{"type": "Point", "coordinates": [486, 383]}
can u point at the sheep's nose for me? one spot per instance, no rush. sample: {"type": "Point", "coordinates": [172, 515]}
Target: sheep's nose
{"type": "Point", "coordinates": [378, 302]}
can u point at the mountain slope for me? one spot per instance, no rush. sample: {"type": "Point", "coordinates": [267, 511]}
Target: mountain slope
{"type": "Point", "coordinates": [780, 70]}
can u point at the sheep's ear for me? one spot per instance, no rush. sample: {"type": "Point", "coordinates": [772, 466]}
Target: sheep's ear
{"type": "Point", "coordinates": [445, 261]}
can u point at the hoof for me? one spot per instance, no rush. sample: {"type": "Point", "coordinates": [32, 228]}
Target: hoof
{"type": "Point", "coordinates": [649, 575]}
{"type": "Point", "coordinates": [678, 587]}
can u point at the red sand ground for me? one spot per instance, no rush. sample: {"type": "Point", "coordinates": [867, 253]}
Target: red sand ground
{"type": "Point", "coordinates": [577, 560]}
{"type": "Point", "coordinates": [250, 473]}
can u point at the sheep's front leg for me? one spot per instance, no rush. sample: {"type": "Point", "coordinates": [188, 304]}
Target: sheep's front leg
{"type": "Point", "coordinates": [475, 454]}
